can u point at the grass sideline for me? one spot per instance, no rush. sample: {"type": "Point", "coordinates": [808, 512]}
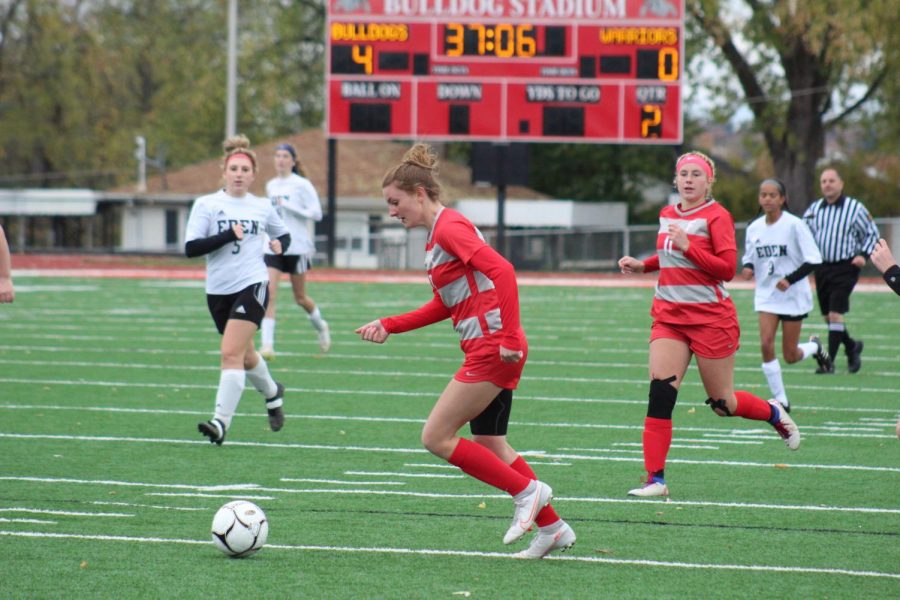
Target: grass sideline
{"type": "Point", "coordinates": [107, 490]}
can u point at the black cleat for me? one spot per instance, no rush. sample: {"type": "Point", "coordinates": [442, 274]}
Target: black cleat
{"type": "Point", "coordinates": [276, 415]}
{"type": "Point", "coordinates": [828, 370]}
{"type": "Point", "coordinates": [854, 358]}
{"type": "Point", "coordinates": [214, 429]}
{"type": "Point", "coordinates": [825, 363]}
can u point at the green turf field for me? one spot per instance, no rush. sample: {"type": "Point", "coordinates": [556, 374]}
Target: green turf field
{"type": "Point", "coordinates": [108, 491]}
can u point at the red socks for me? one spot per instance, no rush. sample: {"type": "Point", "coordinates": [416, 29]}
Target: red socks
{"type": "Point", "coordinates": [752, 407]}
{"type": "Point", "coordinates": [482, 464]}
{"type": "Point", "coordinates": [657, 439]}
{"type": "Point", "coordinates": [547, 516]}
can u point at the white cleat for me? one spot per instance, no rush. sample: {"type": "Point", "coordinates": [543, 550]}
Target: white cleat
{"type": "Point", "coordinates": [650, 489]}
{"type": "Point", "coordinates": [786, 427]}
{"type": "Point", "coordinates": [324, 338]}
{"type": "Point", "coordinates": [786, 405]}
{"type": "Point", "coordinates": [527, 509]}
{"type": "Point", "coordinates": [558, 536]}
{"type": "Point", "coordinates": [267, 352]}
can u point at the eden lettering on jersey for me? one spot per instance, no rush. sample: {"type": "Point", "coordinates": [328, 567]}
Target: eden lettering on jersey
{"type": "Point", "coordinates": [250, 227]}
{"type": "Point", "coordinates": [771, 250]}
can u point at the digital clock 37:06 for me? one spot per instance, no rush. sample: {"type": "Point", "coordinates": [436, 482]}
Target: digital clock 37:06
{"type": "Point", "coordinates": [501, 40]}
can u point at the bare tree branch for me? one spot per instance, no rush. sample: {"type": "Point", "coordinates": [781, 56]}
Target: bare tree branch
{"type": "Point", "coordinates": [879, 79]}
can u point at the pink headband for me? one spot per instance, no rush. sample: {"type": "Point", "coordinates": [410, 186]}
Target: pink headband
{"type": "Point", "coordinates": [230, 156]}
{"type": "Point", "coordinates": [693, 159]}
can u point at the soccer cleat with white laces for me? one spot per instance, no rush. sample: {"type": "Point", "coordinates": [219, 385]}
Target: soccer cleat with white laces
{"type": "Point", "coordinates": [267, 352]}
{"type": "Point", "coordinates": [530, 502]}
{"type": "Point", "coordinates": [785, 426]}
{"type": "Point", "coordinates": [273, 407]}
{"type": "Point", "coordinates": [556, 537]}
{"type": "Point", "coordinates": [214, 429]}
{"type": "Point", "coordinates": [824, 361]}
{"type": "Point", "coordinates": [650, 489]}
{"type": "Point", "coordinates": [324, 338]}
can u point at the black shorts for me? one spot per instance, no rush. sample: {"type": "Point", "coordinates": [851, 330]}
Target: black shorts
{"type": "Point", "coordinates": [249, 304]}
{"type": "Point", "coordinates": [834, 282]}
{"type": "Point", "coordinates": [792, 317]}
{"type": "Point", "coordinates": [493, 420]}
{"type": "Point", "coordinates": [295, 264]}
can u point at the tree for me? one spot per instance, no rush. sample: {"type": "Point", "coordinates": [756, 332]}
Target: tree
{"type": "Point", "coordinates": [802, 68]}
{"type": "Point", "coordinates": [80, 79]}
{"type": "Point", "coordinates": [596, 172]}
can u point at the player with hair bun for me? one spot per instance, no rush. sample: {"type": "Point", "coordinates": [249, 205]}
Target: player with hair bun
{"type": "Point", "coordinates": [693, 314]}
{"type": "Point", "coordinates": [230, 227]}
{"type": "Point", "coordinates": [296, 200]}
{"type": "Point", "coordinates": [781, 253]}
{"type": "Point", "coordinates": [475, 287]}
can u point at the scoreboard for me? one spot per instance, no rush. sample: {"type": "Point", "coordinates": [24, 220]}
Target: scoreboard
{"type": "Point", "coordinates": [606, 71]}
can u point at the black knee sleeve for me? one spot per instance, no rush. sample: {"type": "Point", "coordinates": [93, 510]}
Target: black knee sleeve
{"type": "Point", "coordinates": [662, 398]}
{"type": "Point", "coordinates": [719, 407]}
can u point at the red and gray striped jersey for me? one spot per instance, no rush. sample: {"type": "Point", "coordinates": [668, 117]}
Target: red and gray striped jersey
{"type": "Point", "coordinates": [691, 286]}
{"type": "Point", "coordinates": [472, 284]}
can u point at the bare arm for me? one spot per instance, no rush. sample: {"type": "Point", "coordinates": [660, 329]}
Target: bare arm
{"type": "Point", "coordinates": [7, 293]}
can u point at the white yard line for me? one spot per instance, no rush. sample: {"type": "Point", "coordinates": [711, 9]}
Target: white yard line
{"type": "Point", "coordinates": [538, 453]}
{"type": "Point", "coordinates": [481, 496]}
{"type": "Point", "coordinates": [471, 554]}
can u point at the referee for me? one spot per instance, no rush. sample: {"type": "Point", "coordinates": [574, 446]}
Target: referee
{"type": "Point", "coordinates": [846, 235]}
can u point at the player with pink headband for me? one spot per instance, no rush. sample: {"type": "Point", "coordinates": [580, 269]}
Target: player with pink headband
{"type": "Point", "coordinates": [696, 253]}
{"type": "Point", "coordinates": [231, 228]}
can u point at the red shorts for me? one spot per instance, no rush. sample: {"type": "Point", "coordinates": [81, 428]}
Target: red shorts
{"type": "Point", "coordinates": [709, 340]}
{"type": "Point", "coordinates": [488, 367]}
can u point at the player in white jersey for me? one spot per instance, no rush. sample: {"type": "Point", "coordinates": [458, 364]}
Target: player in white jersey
{"type": "Point", "coordinates": [231, 228]}
{"type": "Point", "coordinates": [780, 252]}
{"type": "Point", "coordinates": [296, 200]}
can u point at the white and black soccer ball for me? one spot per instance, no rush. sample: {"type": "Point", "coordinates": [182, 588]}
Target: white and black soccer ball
{"type": "Point", "coordinates": [240, 528]}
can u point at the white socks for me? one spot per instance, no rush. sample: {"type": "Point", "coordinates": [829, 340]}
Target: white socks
{"type": "Point", "coordinates": [267, 332]}
{"type": "Point", "coordinates": [261, 379]}
{"type": "Point", "coordinates": [231, 386]}
{"type": "Point", "coordinates": [315, 317]}
{"type": "Point", "coordinates": [772, 371]}
{"type": "Point", "coordinates": [808, 349]}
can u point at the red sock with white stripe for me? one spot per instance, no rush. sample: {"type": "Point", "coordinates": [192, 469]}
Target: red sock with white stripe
{"type": "Point", "coordinates": [482, 464]}
{"type": "Point", "coordinates": [547, 516]}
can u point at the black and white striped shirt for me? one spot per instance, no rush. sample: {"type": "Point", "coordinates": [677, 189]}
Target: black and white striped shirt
{"type": "Point", "coordinates": [842, 230]}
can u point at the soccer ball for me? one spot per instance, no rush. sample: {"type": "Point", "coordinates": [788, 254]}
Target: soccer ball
{"type": "Point", "coordinates": [240, 528]}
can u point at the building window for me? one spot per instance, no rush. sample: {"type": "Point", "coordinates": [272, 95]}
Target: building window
{"type": "Point", "coordinates": [171, 227]}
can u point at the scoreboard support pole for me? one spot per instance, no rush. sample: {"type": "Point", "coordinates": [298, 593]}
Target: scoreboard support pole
{"type": "Point", "coordinates": [331, 229]}
{"type": "Point", "coordinates": [500, 155]}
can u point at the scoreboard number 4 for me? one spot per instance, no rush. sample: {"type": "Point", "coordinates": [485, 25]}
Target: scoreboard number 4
{"type": "Point", "coordinates": [362, 55]}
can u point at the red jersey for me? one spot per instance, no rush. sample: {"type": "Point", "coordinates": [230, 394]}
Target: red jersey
{"type": "Point", "coordinates": [691, 289]}
{"type": "Point", "coordinates": [472, 284]}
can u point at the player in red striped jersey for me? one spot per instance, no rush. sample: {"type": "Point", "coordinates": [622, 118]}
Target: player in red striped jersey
{"type": "Point", "coordinates": [476, 288]}
{"type": "Point", "coordinates": [693, 315]}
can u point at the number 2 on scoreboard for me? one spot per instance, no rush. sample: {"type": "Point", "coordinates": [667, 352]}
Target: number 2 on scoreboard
{"type": "Point", "coordinates": [651, 121]}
